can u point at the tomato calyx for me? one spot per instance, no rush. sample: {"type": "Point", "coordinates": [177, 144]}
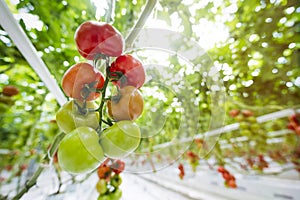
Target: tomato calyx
{"type": "Point", "coordinates": [119, 77]}
{"type": "Point", "coordinates": [88, 89]}
{"type": "Point", "coordinates": [116, 98]}
{"type": "Point", "coordinates": [83, 110]}
{"type": "Point", "coordinates": [133, 72]}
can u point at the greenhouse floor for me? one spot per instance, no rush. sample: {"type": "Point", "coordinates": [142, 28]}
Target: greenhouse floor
{"type": "Point", "coordinates": [165, 184]}
{"type": "Point", "coordinates": [133, 187]}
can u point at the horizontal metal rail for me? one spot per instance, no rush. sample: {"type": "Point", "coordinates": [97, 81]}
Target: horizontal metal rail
{"type": "Point", "coordinates": [230, 127]}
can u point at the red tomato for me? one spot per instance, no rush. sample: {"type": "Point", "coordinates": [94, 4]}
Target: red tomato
{"type": "Point", "coordinates": [81, 81]}
{"type": "Point", "coordinates": [298, 130]}
{"type": "Point", "coordinates": [191, 154]}
{"type": "Point", "coordinates": [247, 113]}
{"type": "Point", "coordinates": [104, 172]}
{"type": "Point", "coordinates": [221, 169]}
{"type": "Point", "coordinates": [132, 70]}
{"type": "Point", "coordinates": [10, 90]}
{"type": "Point", "coordinates": [181, 171]}
{"type": "Point", "coordinates": [293, 118]}
{"type": "Point", "coordinates": [231, 183]}
{"type": "Point", "coordinates": [226, 175]}
{"type": "Point", "coordinates": [118, 166]}
{"type": "Point", "coordinates": [234, 112]}
{"type": "Point", "coordinates": [94, 38]}
{"type": "Point", "coordinates": [23, 167]}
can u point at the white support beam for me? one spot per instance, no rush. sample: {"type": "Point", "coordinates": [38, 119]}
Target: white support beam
{"type": "Point", "coordinates": [20, 39]}
{"type": "Point", "coordinates": [232, 127]}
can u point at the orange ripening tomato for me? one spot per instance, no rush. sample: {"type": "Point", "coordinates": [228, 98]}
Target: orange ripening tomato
{"type": "Point", "coordinates": [127, 105]}
{"type": "Point", "coordinates": [81, 82]}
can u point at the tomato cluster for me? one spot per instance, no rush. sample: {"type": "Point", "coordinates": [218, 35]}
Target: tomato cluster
{"type": "Point", "coordinates": [294, 123]}
{"type": "Point", "coordinates": [236, 113]}
{"type": "Point", "coordinates": [193, 159]}
{"type": "Point", "coordinates": [109, 179]}
{"type": "Point", "coordinates": [181, 171]}
{"type": "Point", "coordinates": [87, 142]}
{"type": "Point", "coordinates": [230, 180]}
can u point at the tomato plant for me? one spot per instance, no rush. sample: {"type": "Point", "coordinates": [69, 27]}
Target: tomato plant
{"type": "Point", "coordinates": [81, 81]}
{"type": "Point", "coordinates": [128, 70]}
{"type": "Point", "coordinates": [126, 105]}
{"type": "Point", "coordinates": [73, 115]}
{"type": "Point", "coordinates": [93, 38]}
{"type": "Point", "coordinates": [79, 151]}
{"type": "Point", "coordinates": [87, 144]}
{"type": "Point", "coordinates": [120, 139]}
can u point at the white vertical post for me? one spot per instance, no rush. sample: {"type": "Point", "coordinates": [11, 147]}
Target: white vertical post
{"type": "Point", "coordinates": [18, 36]}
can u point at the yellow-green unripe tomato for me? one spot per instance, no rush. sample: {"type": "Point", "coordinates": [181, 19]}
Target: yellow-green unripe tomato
{"type": "Point", "coordinates": [101, 186]}
{"type": "Point", "coordinates": [105, 197]}
{"type": "Point", "coordinates": [79, 151]}
{"type": "Point", "coordinates": [117, 194]}
{"type": "Point", "coordinates": [70, 116]}
{"type": "Point", "coordinates": [116, 180]}
{"type": "Point", "coordinates": [121, 139]}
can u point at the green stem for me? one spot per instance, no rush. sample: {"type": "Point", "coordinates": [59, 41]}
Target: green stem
{"type": "Point", "coordinates": [140, 23]}
{"type": "Point", "coordinates": [31, 182]}
{"type": "Point", "coordinates": [103, 99]}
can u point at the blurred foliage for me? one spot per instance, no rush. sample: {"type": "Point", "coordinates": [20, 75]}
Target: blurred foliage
{"type": "Point", "coordinates": [27, 123]}
{"type": "Point", "coordinates": [262, 50]}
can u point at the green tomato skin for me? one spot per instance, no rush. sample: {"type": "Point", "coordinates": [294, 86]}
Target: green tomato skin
{"type": "Point", "coordinates": [105, 197]}
{"type": "Point", "coordinates": [116, 181]}
{"type": "Point", "coordinates": [117, 194]}
{"type": "Point", "coordinates": [121, 139]}
{"type": "Point", "coordinates": [101, 186]}
{"type": "Point", "coordinates": [68, 117]}
{"type": "Point", "coordinates": [79, 151]}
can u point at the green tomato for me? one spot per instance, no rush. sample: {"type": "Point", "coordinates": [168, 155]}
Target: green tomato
{"type": "Point", "coordinates": [116, 180]}
{"type": "Point", "coordinates": [101, 186]}
{"type": "Point", "coordinates": [105, 197]}
{"type": "Point", "coordinates": [69, 116]}
{"type": "Point", "coordinates": [79, 151]}
{"type": "Point", "coordinates": [117, 194]}
{"type": "Point", "coordinates": [120, 139]}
